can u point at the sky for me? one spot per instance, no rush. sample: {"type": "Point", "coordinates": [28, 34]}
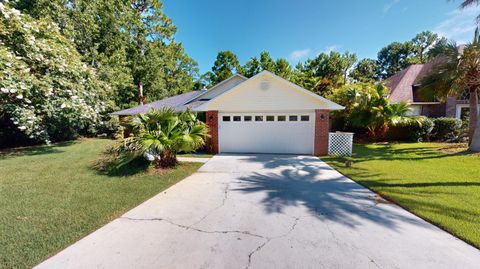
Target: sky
{"type": "Point", "coordinates": [301, 29]}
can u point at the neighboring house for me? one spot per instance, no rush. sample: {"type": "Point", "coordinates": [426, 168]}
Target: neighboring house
{"type": "Point", "coordinates": [404, 87]}
{"type": "Point", "coordinates": [263, 114]}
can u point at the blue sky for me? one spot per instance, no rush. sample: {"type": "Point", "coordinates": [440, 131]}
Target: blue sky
{"type": "Point", "coordinates": [297, 29]}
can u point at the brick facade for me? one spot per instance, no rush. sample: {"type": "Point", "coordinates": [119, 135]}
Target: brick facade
{"type": "Point", "coordinates": [322, 120]}
{"type": "Point", "coordinates": [212, 123]}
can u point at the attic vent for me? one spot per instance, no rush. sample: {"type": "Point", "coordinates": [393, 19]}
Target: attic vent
{"type": "Point", "coordinates": [265, 85]}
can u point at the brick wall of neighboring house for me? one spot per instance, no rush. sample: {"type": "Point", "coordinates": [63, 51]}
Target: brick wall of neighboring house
{"type": "Point", "coordinates": [321, 132]}
{"type": "Point", "coordinates": [212, 123]}
{"type": "Point", "coordinates": [434, 110]}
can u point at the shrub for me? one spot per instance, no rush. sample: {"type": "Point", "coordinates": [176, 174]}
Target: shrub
{"type": "Point", "coordinates": [46, 92]}
{"type": "Point", "coordinates": [415, 129]}
{"type": "Point", "coordinates": [446, 128]}
{"type": "Point", "coordinates": [160, 135]}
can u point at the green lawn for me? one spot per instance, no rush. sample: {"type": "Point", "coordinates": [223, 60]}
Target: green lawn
{"type": "Point", "coordinates": [50, 197]}
{"type": "Point", "coordinates": [438, 182]}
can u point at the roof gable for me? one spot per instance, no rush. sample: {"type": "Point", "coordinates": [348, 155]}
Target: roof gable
{"type": "Point", "coordinates": [266, 91]}
{"type": "Point", "coordinates": [401, 84]}
{"type": "Point", "coordinates": [219, 88]}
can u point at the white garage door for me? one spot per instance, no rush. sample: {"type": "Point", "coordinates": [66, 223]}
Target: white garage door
{"type": "Point", "coordinates": [266, 132]}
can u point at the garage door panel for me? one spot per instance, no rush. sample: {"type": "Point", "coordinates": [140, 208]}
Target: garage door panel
{"type": "Point", "coordinates": [266, 136]}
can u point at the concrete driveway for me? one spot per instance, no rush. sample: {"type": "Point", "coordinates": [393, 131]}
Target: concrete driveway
{"type": "Point", "coordinates": [267, 211]}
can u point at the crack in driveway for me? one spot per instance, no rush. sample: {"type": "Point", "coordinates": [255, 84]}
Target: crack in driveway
{"type": "Point", "coordinates": [268, 240]}
{"type": "Point", "coordinates": [193, 228]}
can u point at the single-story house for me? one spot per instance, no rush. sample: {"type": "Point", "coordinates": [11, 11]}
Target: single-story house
{"type": "Point", "coordinates": [262, 114]}
{"type": "Point", "coordinates": [404, 87]}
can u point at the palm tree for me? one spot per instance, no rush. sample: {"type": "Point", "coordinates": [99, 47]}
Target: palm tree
{"type": "Point", "coordinates": [161, 134]}
{"type": "Point", "coordinates": [371, 109]}
{"type": "Point", "coordinates": [454, 72]}
{"type": "Point", "coordinates": [469, 3]}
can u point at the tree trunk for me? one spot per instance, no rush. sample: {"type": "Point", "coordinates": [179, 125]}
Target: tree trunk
{"type": "Point", "coordinates": [167, 159]}
{"type": "Point", "coordinates": [474, 140]}
{"type": "Point", "coordinates": [473, 100]}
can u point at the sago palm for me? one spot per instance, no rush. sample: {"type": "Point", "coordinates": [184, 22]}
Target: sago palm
{"type": "Point", "coordinates": [162, 134]}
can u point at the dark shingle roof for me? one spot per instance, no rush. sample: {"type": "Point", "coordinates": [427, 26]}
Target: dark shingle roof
{"type": "Point", "coordinates": [401, 84]}
{"type": "Point", "coordinates": [176, 102]}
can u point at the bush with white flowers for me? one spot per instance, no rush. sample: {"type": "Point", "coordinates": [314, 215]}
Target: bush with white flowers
{"type": "Point", "coordinates": [46, 92]}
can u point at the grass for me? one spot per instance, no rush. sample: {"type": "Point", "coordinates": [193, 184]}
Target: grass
{"type": "Point", "coordinates": [196, 155]}
{"type": "Point", "coordinates": [50, 197]}
{"type": "Point", "coordinates": [438, 182]}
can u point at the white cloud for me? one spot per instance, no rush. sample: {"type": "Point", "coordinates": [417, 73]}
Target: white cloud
{"type": "Point", "coordinates": [459, 24]}
{"type": "Point", "coordinates": [332, 48]}
{"type": "Point", "coordinates": [299, 54]}
{"type": "Point", "coordinates": [388, 6]}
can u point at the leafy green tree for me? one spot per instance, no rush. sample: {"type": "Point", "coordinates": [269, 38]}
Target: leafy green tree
{"type": "Point", "coordinates": [304, 77]}
{"type": "Point", "coordinates": [225, 66]}
{"type": "Point", "coordinates": [266, 62]}
{"type": "Point", "coordinates": [161, 134]}
{"type": "Point", "coordinates": [423, 42]}
{"type": "Point", "coordinates": [393, 58]}
{"type": "Point", "coordinates": [283, 68]}
{"type": "Point", "coordinates": [252, 67]}
{"type": "Point", "coordinates": [129, 42]}
{"type": "Point", "coordinates": [453, 73]}
{"type": "Point", "coordinates": [364, 71]}
{"type": "Point", "coordinates": [47, 93]}
{"type": "Point", "coordinates": [367, 106]}
{"type": "Point", "coordinates": [397, 56]}
{"type": "Point", "coordinates": [326, 71]}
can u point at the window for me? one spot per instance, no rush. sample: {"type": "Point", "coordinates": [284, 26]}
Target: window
{"type": "Point", "coordinates": [292, 118]}
{"type": "Point", "coordinates": [258, 118]}
{"type": "Point", "coordinates": [247, 118]}
{"type": "Point", "coordinates": [270, 118]}
{"type": "Point", "coordinates": [304, 118]}
{"type": "Point", "coordinates": [237, 118]}
{"type": "Point", "coordinates": [281, 118]}
{"type": "Point", "coordinates": [226, 118]}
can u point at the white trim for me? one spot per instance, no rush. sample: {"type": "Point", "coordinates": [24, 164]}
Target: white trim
{"type": "Point", "coordinates": [425, 103]}
{"type": "Point", "coordinates": [330, 105]}
{"type": "Point", "coordinates": [216, 86]}
{"type": "Point", "coordinates": [458, 109]}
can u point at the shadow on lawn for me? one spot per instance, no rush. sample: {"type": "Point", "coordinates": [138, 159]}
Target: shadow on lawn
{"type": "Point", "coordinates": [35, 150]}
{"type": "Point", "coordinates": [325, 194]}
{"type": "Point", "coordinates": [106, 165]}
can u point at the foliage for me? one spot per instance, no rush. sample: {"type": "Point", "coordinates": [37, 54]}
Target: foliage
{"type": "Point", "coordinates": [50, 197]}
{"type": "Point", "coordinates": [225, 66]}
{"type": "Point", "coordinates": [415, 130]}
{"type": "Point", "coordinates": [446, 128]}
{"type": "Point", "coordinates": [47, 93]}
{"type": "Point", "coordinates": [367, 106]}
{"type": "Point", "coordinates": [280, 67]}
{"type": "Point", "coordinates": [453, 73]}
{"type": "Point", "coordinates": [398, 56]}
{"type": "Point", "coordinates": [364, 71]}
{"type": "Point", "coordinates": [438, 182]}
{"type": "Point", "coordinates": [127, 41]}
{"type": "Point", "coordinates": [161, 134]}
{"type": "Point", "coordinates": [325, 72]}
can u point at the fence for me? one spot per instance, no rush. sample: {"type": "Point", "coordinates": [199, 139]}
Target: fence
{"type": "Point", "coordinates": [340, 144]}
